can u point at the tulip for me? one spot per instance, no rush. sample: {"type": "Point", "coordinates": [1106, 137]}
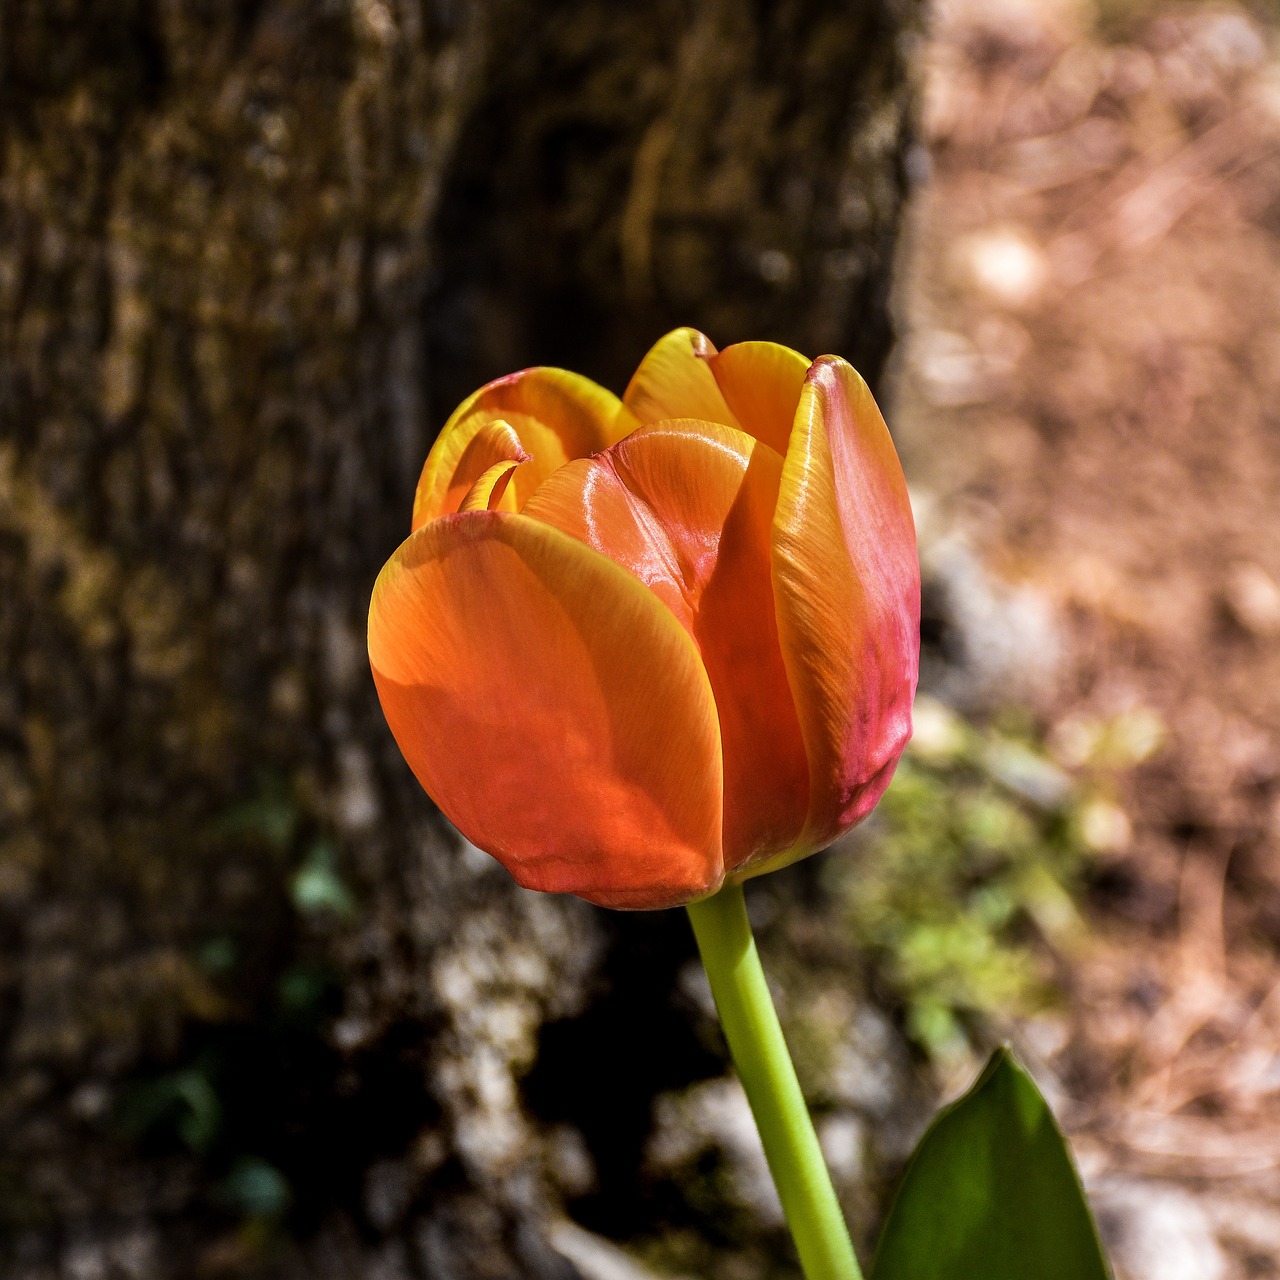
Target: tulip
{"type": "Point", "coordinates": [637, 649]}
{"type": "Point", "coordinates": [643, 649]}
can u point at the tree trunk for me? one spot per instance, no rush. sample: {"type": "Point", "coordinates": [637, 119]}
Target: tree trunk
{"type": "Point", "coordinates": [260, 1011]}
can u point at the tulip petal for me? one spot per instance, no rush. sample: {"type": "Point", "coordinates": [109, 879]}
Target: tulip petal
{"type": "Point", "coordinates": [674, 380]}
{"type": "Point", "coordinates": [556, 712]}
{"type": "Point", "coordinates": [687, 507]}
{"type": "Point", "coordinates": [548, 416]}
{"type": "Point", "coordinates": [752, 385]}
{"type": "Point", "coordinates": [847, 587]}
{"type": "Point", "coordinates": [489, 490]}
{"type": "Point", "coordinates": [761, 383]}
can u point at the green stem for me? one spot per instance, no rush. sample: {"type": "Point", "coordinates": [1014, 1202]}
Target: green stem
{"type": "Point", "coordinates": [759, 1052]}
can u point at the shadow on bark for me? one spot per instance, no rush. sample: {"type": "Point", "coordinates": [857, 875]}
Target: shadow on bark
{"type": "Point", "coordinates": [262, 1013]}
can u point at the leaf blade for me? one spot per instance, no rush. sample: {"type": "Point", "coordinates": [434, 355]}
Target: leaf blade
{"type": "Point", "coordinates": [991, 1192]}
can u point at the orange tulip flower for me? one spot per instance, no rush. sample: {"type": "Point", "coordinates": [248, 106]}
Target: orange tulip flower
{"type": "Point", "coordinates": [637, 648]}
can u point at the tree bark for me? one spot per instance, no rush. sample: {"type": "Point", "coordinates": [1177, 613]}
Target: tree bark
{"type": "Point", "coordinates": [260, 1011]}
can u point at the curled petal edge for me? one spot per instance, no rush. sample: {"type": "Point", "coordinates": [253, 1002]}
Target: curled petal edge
{"type": "Point", "coordinates": [488, 490]}
{"type": "Point", "coordinates": [543, 416]}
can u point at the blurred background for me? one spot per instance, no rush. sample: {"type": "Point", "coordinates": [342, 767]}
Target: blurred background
{"type": "Point", "coordinates": [261, 1012]}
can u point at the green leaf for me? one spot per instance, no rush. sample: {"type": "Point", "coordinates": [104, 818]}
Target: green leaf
{"type": "Point", "coordinates": [256, 1189]}
{"type": "Point", "coordinates": [182, 1102]}
{"type": "Point", "coordinates": [317, 887]}
{"type": "Point", "coordinates": [991, 1193]}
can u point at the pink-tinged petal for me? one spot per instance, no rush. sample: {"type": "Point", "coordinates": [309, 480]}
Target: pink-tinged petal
{"type": "Point", "coordinates": [550, 416]}
{"type": "Point", "coordinates": [553, 708]}
{"type": "Point", "coordinates": [687, 507]}
{"type": "Point", "coordinates": [674, 380]}
{"type": "Point", "coordinates": [488, 491]}
{"type": "Point", "coordinates": [847, 587]}
{"type": "Point", "coordinates": [761, 383]}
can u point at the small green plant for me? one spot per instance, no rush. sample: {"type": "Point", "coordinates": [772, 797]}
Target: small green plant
{"type": "Point", "coordinates": [224, 1099]}
{"type": "Point", "coordinates": [183, 1103]}
{"type": "Point", "coordinates": [255, 1190]}
{"type": "Point", "coordinates": [316, 886]}
{"type": "Point", "coordinates": [979, 849]}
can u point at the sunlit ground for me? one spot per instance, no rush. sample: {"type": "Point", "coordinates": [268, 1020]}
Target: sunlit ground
{"type": "Point", "coordinates": [1088, 403]}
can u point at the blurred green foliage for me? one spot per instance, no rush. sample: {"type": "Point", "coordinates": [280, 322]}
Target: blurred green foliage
{"type": "Point", "coordinates": [269, 819]}
{"type": "Point", "coordinates": [183, 1102]}
{"type": "Point", "coordinates": [973, 862]}
{"type": "Point", "coordinates": [270, 963]}
{"type": "Point", "coordinates": [256, 1190]}
{"type": "Point", "coordinates": [316, 885]}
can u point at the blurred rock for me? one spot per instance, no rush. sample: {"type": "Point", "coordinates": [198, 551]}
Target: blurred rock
{"type": "Point", "coordinates": [716, 1116]}
{"type": "Point", "coordinates": [595, 1258]}
{"type": "Point", "coordinates": [569, 1161]}
{"type": "Point", "coordinates": [1157, 1231]}
{"type": "Point", "coordinates": [1253, 597]}
{"type": "Point", "coordinates": [843, 1138]}
{"type": "Point", "coordinates": [988, 642]}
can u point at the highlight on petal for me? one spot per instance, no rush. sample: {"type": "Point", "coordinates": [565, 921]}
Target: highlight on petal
{"type": "Point", "coordinates": [847, 588]}
{"type": "Point", "coordinates": [487, 492]}
{"type": "Point", "coordinates": [761, 383]}
{"type": "Point", "coordinates": [687, 508]}
{"type": "Point", "coordinates": [554, 709]}
{"type": "Point", "coordinates": [546, 416]}
{"type": "Point", "coordinates": [674, 380]}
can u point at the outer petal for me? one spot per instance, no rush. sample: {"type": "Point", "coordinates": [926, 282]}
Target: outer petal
{"type": "Point", "coordinates": [556, 712]}
{"type": "Point", "coordinates": [687, 507]}
{"type": "Point", "coordinates": [847, 587]}
{"type": "Point", "coordinates": [552, 416]}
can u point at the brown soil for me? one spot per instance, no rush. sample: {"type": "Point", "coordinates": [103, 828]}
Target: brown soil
{"type": "Point", "coordinates": [1091, 392]}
